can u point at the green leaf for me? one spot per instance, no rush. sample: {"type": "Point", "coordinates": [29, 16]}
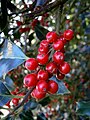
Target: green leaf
{"type": "Point", "coordinates": [40, 2]}
{"type": "Point", "coordinates": [9, 83]}
{"type": "Point", "coordinates": [4, 91]}
{"type": "Point", "coordinates": [4, 14]}
{"type": "Point", "coordinates": [83, 108]}
{"type": "Point", "coordinates": [11, 56]}
{"type": "Point", "coordinates": [31, 104]}
{"type": "Point", "coordinates": [61, 87]}
{"type": "Point", "coordinates": [40, 32]}
{"type": "Point", "coordinates": [45, 101]}
{"type": "Point", "coordinates": [41, 116]}
{"type": "Point", "coordinates": [26, 115]}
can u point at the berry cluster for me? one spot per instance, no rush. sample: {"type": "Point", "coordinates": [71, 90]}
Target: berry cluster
{"type": "Point", "coordinates": [46, 65]}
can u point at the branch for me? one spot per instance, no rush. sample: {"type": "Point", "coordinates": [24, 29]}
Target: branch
{"type": "Point", "coordinates": [43, 9]}
{"type": "Point", "coordinates": [46, 8]}
{"type": "Point", "coordinates": [20, 104]}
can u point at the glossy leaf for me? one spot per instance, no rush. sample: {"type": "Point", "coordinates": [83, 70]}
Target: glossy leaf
{"type": "Point", "coordinates": [31, 104]}
{"type": "Point", "coordinates": [11, 56]}
{"type": "Point", "coordinates": [41, 116]}
{"type": "Point", "coordinates": [3, 91]}
{"type": "Point", "coordinates": [62, 88]}
{"type": "Point", "coordinates": [40, 2]}
{"type": "Point", "coordinates": [83, 108]}
{"type": "Point", "coordinates": [26, 115]}
{"type": "Point", "coordinates": [45, 101]}
{"type": "Point", "coordinates": [40, 32]}
{"type": "Point", "coordinates": [9, 83]}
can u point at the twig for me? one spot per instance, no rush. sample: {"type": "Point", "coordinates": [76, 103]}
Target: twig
{"type": "Point", "coordinates": [42, 10]}
{"type": "Point", "coordinates": [23, 101]}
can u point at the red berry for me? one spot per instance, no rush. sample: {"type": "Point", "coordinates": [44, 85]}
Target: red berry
{"type": "Point", "coordinates": [62, 50]}
{"type": "Point", "coordinates": [42, 75]}
{"type": "Point", "coordinates": [63, 39]}
{"type": "Point", "coordinates": [38, 95]}
{"type": "Point", "coordinates": [42, 58]}
{"type": "Point", "coordinates": [43, 50]}
{"type": "Point", "coordinates": [19, 23]}
{"type": "Point", "coordinates": [60, 76]}
{"type": "Point", "coordinates": [27, 29]}
{"type": "Point", "coordinates": [42, 86]}
{"type": "Point", "coordinates": [51, 36]}
{"type": "Point", "coordinates": [34, 22]}
{"type": "Point", "coordinates": [53, 87]}
{"type": "Point", "coordinates": [64, 68]}
{"type": "Point", "coordinates": [13, 92]}
{"type": "Point", "coordinates": [31, 64]}
{"type": "Point", "coordinates": [66, 84]}
{"type": "Point", "coordinates": [68, 34]}
{"type": "Point", "coordinates": [15, 101]}
{"type": "Point", "coordinates": [44, 43]}
{"type": "Point", "coordinates": [30, 80]}
{"type": "Point", "coordinates": [58, 45]}
{"type": "Point", "coordinates": [8, 104]}
{"type": "Point", "coordinates": [51, 68]}
{"type": "Point", "coordinates": [58, 57]}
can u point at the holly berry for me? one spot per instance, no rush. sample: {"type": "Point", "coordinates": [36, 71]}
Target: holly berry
{"type": "Point", "coordinates": [34, 22]}
{"type": "Point", "coordinates": [31, 64]}
{"type": "Point", "coordinates": [58, 45]}
{"type": "Point", "coordinates": [42, 58]}
{"type": "Point", "coordinates": [60, 76]}
{"type": "Point", "coordinates": [15, 101]}
{"type": "Point", "coordinates": [30, 80]}
{"type": "Point", "coordinates": [53, 87]}
{"type": "Point", "coordinates": [51, 68]}
{"type": "Point", "coordinates": [19, 23]}
{"type": "Point", "coordinates": [37, 94]}
{"type": "Point", "coordinates": [64, 68]}
{"type": "Point", "coordinates": [42, 86]}
{"type": "Point", "coordinates": [42, 75]}
{"type": "Point", "coordinates": [58, 57]}
{"type": "Point", "coordinates": [44, 43]}
{"type": "Point", "coordinates": [61, 38]}
{"type": "Point", "coordinates": [43, 50]}
{"type": "Point", "coordinates": [22, 30]}
{"type": "Point", "coordinates": [68, 34]}
{"type": "Point", "coordinates": [51, 37]}
{"type": "Point", "coordinates": [8, 104]}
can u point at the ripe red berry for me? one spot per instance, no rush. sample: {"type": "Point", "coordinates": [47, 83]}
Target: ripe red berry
{"type": "Point", "coordinates": [58, 57]}
{"type": "Point", "coordinates": [19, 23]}
{"type": "Point", "coordinates": [43, 50]}
{"type": "Point", "coordinates": [42, 75]}
{"type": "Point", "coordinates": [38, 95]}
{"type": "Point", "coordinates": [44, 43]}
{"type": "Point", "coordinates": [64, 68]}
{"type": "Point", "coordinates": [8, 104]}
{"type": "Point", "coordinates": [68, 34]}
{"type": "Point", "coordinates": [51, 68]}
{"type": "Point", "coordinates": [63, 39]}
{"type": "Point", "coordinates": [34, 22]}
{"type": "Point", "coordinates": [30, 80]}
{"type": "Point", "coordinates": [53, 87]}
{"type": "Point", "coordinates": [66, 84]}
{"type": "Point", "coordinates": [60, 76]}
{"type": "Point", "coordinates": [51, 36]}
{"type": "Point", "coordinates": [58, 45]}
{"type": "Point", "coordinates": [42, 58]}
{"type": "Point", "coordinates": [31, 64]}
{"type": "Point", "coordinates": [42, 86]}
{"type": "Point", "coordinates": [15, 101]}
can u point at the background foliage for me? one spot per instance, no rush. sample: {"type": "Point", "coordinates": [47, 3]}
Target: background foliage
{"type": "Point", "coordinates": [37, 17]}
